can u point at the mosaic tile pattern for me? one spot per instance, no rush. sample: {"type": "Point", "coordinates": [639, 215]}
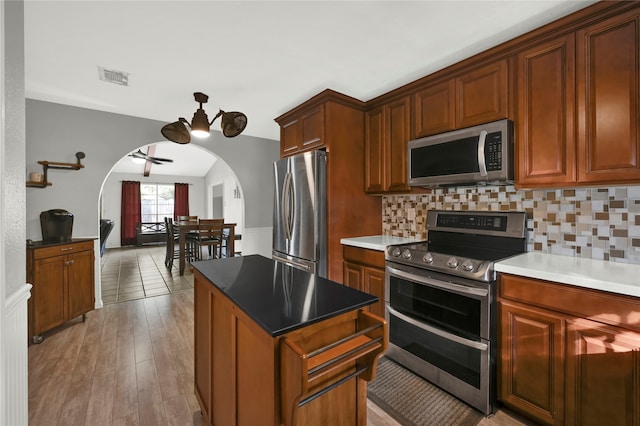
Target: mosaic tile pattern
{"type": "Point", "coordinates": [594, 223]}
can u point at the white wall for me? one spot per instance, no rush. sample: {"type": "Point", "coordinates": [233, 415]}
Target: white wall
{"type": "Point", "coordinates": [14, 291]}
{"type": "Point", "coordinates": [112, 199]}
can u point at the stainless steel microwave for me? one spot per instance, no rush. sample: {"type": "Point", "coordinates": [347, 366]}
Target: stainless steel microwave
{"type": "Point", "coordinates": [479, 155]}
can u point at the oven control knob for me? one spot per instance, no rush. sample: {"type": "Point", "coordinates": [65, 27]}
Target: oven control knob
{"type": "Point", "coordinates": [427, 258]}
{"type": "Point", "coordinates": [406, 254]}
{"type": "Point", "coordinates": [452, 262]}
{"type": "Point", "coordinates": [467, 265]}
{"type": "Point", "coordinates": [395, 252]}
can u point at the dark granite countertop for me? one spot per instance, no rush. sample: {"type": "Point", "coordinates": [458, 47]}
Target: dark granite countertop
{"type": "Point", "coordinates": [40, 244]}
{"type": "Point", "coordinates": [278, 297]}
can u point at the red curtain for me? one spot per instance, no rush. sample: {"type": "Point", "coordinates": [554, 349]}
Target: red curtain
{"type": "Point", "coordinates": [181, 201]}
{"type": "Point", "coordinates": [130, 212]}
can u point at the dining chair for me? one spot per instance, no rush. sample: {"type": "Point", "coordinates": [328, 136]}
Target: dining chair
{"type": "Point", "coordinates": [210, 235]}
{"type": "Point", "coordinates": [173, 246]}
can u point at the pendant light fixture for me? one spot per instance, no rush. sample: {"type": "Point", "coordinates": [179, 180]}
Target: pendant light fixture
{"type": "Point", "coordinates": [232, 124]}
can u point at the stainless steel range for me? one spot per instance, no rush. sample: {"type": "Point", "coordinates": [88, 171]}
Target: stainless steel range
{"type": "Point", "coordinates": [440, 300]}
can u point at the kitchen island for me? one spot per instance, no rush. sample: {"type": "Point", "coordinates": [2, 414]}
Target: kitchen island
{"type": "Point", "coordinates": [276, 345]}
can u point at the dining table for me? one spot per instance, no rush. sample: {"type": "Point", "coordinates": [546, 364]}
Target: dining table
{"type": "Point", "coordinates": [183, 228]}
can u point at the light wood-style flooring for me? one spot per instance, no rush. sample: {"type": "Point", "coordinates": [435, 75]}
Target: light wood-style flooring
{"type": "Point", "coordinates": [131, 363]}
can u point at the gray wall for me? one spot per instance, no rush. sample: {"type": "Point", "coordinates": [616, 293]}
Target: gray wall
{"type": "Point", "coordinates": [56, 132]}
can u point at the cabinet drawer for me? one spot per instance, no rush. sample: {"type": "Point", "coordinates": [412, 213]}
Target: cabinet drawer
{"type": "Point", "coordinates": [596, 305]}
{"type": "Point", "coordinates": [61, 249]}
{"type": "Point", "coordinates": [364, 256]}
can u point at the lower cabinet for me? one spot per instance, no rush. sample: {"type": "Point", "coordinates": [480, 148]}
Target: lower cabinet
{"type": "Point", "coordinates": [364, 271]}
{"type": "Point", "coordinates": [558, 367]}
{"type": "Point", "coordinates": [63, 284]}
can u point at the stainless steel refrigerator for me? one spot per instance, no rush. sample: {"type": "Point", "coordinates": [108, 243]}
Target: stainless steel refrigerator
{"type": "Point", "coordinates": [300, 212]}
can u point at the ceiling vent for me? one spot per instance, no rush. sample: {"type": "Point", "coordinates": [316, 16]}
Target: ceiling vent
{"type": "Point", "coordinates": [113, 76]}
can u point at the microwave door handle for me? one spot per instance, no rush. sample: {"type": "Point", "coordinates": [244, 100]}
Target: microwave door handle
{"type": "Point", "coordinates": [482, 164]}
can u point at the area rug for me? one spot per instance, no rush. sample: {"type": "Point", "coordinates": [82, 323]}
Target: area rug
{"type": "Point", "coordinates": [412, 401]}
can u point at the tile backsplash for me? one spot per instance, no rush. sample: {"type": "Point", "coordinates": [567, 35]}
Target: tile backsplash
{"type": "Point", "coordinates": [595, 223]}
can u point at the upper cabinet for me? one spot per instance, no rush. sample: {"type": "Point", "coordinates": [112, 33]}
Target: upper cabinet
{"type": "Point", "coordinates": [387, 129]}
{"type": "Point", "coordinates": [577, 106]}
{"type": "Point", "coordinates": [474, 97]}
{"type": "Point", "coordinates": [303, 131]}
{"type": "Point", "coordinates": [545, 136]}
{"type": "Point", "coordinates": [608, 89]}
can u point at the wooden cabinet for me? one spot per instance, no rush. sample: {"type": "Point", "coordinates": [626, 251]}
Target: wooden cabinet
{"type": "Point", "coordinates": [546, 145]}
{"type": "Point", "coordinates": [364, 271]}
{"type": "Point", "coordinates": [302, 132]}
{"type": "Point", "coordinates": [314, 375]}
{"type": "Point", "coordinates": [63, 284]}
{"type": "Point", "coordinates": [608, 89]}
{"type": "Point", "coordinates": [591, 74]}
{"type": "Point", "coordinates": [531, 362]}
{"type": "Point", "coordinates": [474, 97]}
{"type": "Point", "coordinates": [558, 367]}
{"type": "Point", "coordinates": [387, 131]}
{"type": "Point", "coordinates": [350, 211]}
{"type": "Point", "coordinates": [602, 374]}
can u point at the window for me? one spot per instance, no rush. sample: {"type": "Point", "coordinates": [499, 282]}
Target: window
{"type": "Point", "coordinates": [156, 200]}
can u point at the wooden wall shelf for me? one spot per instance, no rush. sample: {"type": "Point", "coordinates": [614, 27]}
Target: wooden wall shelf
{"type": "Point", "coordinates": [46, 165]}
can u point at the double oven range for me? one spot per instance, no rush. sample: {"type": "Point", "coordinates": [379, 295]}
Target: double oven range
{"type": "Point", "coordinates": [440, 300]}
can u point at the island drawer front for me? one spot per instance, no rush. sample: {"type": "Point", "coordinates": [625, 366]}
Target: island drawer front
{"type": "Point", "coordinates": [312, 367]}
{"type": "Point", "coordinates": [597, 305]}
{"type": "Point", "coordinates": [62, 249]}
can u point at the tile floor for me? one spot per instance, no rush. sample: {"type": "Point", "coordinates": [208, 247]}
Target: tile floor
{"type": "Point", "coordinates": [130, 273]}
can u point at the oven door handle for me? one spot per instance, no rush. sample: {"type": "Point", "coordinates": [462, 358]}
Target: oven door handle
{"type": "Point", "coordinates": [440, 284]}
{"type": "Point", "coordinates": [461, 340]}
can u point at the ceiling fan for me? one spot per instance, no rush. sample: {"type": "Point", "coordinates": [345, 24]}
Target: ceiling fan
{"type": "Point", "coordinates": [232, 124]}
{"type": "Point", "coordinates": [155, 160]}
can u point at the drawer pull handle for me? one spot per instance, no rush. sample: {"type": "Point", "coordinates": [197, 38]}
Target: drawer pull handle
{"type": "Point", "coordinates": [67, 248]}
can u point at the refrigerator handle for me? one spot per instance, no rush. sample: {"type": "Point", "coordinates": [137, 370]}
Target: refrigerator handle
{"type": "Point", "coordinates": [287, 205]}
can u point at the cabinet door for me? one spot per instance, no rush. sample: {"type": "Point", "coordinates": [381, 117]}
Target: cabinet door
{"type": "Point", "coordinates": [80, 283]}
{"type": "Point", "coordinates": [374, 151]}
{"type": "Point", "coordinates": [482, 95]}
{"type": "Point", "coordinates": [48, 294]}
{"type": "Point", "coordinates": [373, 283]}
{"type": "Point", "coordinates": [608, 89]}
{"type": "Point", "coordinates": [399, 127]}
{"type": "Point", "coordinates": [203, 319]}
{"type": "Point", "coordinates": [434, 109]}
{"type": "Point", "coordinates": [290, 137]}
{"type": "Point", "coordinates": [387, 131]}
{"type": "Point", "coordinates": [531, 348]}
{"type": "Point", "coordinates": [603, 375]}
{"type": "Point", "coordinates": [545, 152]}
{"type": "Point", "coordinates": [312, 128]}
{"type": "Point", "coordinates": [352, 275]}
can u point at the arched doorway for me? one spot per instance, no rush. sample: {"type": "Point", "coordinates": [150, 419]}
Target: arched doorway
{"type": "Point", "coordinates": [202, 170]}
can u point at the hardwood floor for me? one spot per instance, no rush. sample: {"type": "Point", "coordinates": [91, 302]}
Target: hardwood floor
{"type": "Point", "coordinates": [131, 363]}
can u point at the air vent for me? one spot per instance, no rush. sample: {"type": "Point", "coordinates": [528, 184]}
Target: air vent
{"type": "Point", "coordinates": [113, 76]}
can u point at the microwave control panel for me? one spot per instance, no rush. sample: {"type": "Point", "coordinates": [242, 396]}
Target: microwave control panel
{"type": "Point", "coordinates": [493, 151]}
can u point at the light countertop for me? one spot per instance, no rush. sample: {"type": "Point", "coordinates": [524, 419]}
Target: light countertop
{"type": "Point", "coordinates": [377, 242]}
{"type": "Point", "coordinates": [620, 278]}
